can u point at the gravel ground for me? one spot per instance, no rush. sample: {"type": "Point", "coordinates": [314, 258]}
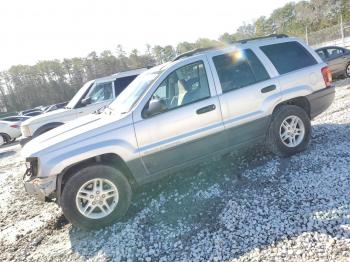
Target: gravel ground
{"type": "Point", "coordinates": [248, 207]}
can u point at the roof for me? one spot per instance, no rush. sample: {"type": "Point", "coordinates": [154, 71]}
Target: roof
{"type": "Point", "coordinates": [240, 42]}
{"type": "Point", "coordinates": [122, 74]}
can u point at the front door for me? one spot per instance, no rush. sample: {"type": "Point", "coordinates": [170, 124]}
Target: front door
{"type": "Point", "coordinates": [190, 126]}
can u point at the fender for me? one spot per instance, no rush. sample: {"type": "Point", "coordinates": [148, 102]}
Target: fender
{"type": "Point", "coordinates": [284, 95]}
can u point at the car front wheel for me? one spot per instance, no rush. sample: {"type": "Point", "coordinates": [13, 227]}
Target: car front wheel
{"type": "Point", "coordinates": [95, 197]}
{"type": "Point", "coordinates": [347, 70]}
{"type": "Point", "coordinates": [290, 130]}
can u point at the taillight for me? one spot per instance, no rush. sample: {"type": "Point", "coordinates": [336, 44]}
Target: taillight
{"type": "Point", "coordinates": [327, 76]}
{"type": "Point", "coordinates": [15, 126]}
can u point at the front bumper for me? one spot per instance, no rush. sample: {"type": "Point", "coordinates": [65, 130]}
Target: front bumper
{"type": "Point", "coordinates": [320, 101]}
{"type": "Point", "coordinates": [25, 140]}
{"type": "Point", "coordinates": [41, 188]}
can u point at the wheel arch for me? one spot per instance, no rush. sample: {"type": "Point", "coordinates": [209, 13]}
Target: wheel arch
{"type": "Point", "coordinates": [46, 127]}
{"type": "Point", "coordinates": [110, 159]}
{"type": "Point", "coordinates": [300, 101]}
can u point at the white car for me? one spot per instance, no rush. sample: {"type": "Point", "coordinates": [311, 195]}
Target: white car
{"type": "Point", "coordinates": [10, 127]}
{"type": "Point", "coordinates": [94, 95]}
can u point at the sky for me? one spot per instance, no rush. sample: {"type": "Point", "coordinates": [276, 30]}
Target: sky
{"type": "Point", "coordinates": [33, 30]}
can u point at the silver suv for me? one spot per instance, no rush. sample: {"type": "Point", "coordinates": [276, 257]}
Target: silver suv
{"type": "Point", "coordinates": [204, 102]}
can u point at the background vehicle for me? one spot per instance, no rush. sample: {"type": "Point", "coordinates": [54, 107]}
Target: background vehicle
{"type": "Point", "coordinates": [94, 95]}
{"type": "Point", "coordinates": [55, 106]}
{"type": "Point", "coordinates": [10, 127]}
{"type": "Point", "coordinates": [205, 102]}
{"type": "Point", "coordinates": [337, 58]}
{"type": "Point", "coordinates": [33, 113]}
{"type": "Point", "coordinates": [22, 113]}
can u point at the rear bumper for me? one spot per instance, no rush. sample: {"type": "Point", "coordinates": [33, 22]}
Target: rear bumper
{"type": "Point", "coordinates": [25, 140]}
{"type": "Point", "coordinates": [320, 101]}
{"type": "Point", "coordinates": [41, 188]}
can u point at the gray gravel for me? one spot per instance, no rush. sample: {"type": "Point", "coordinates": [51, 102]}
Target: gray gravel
{"type": "Point", "coordinates": [248, 207]}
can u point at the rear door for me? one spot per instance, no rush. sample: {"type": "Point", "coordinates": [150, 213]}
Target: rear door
{"type": "Point", "coordinates": [190, 125]}
{"type": "Point", "coordinates": [245, 88]}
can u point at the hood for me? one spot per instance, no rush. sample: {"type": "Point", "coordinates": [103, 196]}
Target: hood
{"type": "Point", "coordinates": [47, 116]}
{"type": "Point", "coordinates": [72, 134]}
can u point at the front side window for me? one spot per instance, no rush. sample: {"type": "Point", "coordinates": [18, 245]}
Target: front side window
{"type": "Point", "coordinates": [100, 92]}
{"type": "Point", "coordinates": [288, 56]}
{"type": "Point", "coordinates": [239, 69]}
{"type": "Point", "coordinates": [184, 86]}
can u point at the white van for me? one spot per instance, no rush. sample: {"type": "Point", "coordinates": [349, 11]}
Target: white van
{"type": "Point", "coordinates": [94, 95]}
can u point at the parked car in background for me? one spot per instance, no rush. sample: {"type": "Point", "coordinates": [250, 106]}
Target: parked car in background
{"type": "Point", "coordinates": [33, 113]}
{"type": "Point", "coordinates": [55, 107]}
{"type": "Point", "coordinates": [337, 58]}
{"type": "Point", "coordinates": [2, 141]}
{"type": "Point", "coordinates": [10, 127]}
{"type": "Point", "coordinates": [24, 112]}
{"type": "Point", "coordinates": [94, 95]}
{"type": "Point", "coordinates": [209, 102]}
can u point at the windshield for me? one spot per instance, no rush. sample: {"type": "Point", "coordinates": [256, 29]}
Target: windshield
{"type": "Point", "coordinates": [72, 103]}
{"type": "Point", "coordinates": [128, 98]}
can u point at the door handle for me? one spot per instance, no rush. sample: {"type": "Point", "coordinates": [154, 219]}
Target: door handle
{"type": "Point", "coordinates": [205, 109]}
{"type": "Point", "coordinates": [268, 89]}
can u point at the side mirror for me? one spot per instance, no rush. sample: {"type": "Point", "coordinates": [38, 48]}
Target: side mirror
{"type": "Point", "coordinates": [86, 101]}
{"type": "Point", "coordinates": [155, 107]}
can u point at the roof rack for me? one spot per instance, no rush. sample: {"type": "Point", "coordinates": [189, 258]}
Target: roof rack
{"type": "Point", "coordinates": [193, 52]}
{"type": "Point", "coordinates": [242, 41]}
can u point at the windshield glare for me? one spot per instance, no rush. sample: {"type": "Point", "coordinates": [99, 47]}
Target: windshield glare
{"type": "Point", "coordinates": [128, 98]}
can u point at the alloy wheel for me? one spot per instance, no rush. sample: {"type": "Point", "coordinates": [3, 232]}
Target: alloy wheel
{"type": "Point", "coordinates": [292, 131]}
{"type": "Point", "coordinates": [97, 198]}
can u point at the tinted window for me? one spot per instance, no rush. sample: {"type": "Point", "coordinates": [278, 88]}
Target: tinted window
{"type": "Point", "coordinates": [184, 86]}
{"type": "Point", "coordinates": [11, 119]}
{"type": "Point", "coordinates": [121, 83]}
{"type": "Point", "coordinates": [289, 56]}
{"type": "Point", "coordinates": [239, 69]}
{"type": "Point", "coordinates": [334, 52]}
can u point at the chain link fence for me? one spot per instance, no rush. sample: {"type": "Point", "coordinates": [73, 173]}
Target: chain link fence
{"type": "Point", "coordinates": [335, 35]}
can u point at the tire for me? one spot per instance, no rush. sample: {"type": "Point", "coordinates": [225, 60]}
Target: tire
{"type": "Point", "coordinates": [277, 133]}
{"type": "Point", "coordinates": [347, 71]}
{"type": "Point", "coordinates": [6, 137]}
{"type": "Point", "coordinates": [72, 206]}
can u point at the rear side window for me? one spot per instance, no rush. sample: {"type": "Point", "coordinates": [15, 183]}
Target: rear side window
{"type": "Point", "coordinates": [121, 83]}
{"type": "Point", "coordinates": [289, 56]}
{"type": "Point", "coordinates": [239, 69]}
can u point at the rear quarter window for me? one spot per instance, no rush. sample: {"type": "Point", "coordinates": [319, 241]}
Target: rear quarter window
{"type": "Point", "coordinates": [121, 83]}
{"type": "Point", "coordinates": [288, 56]}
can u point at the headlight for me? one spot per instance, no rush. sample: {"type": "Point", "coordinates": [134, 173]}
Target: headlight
{"type": "Point", "coordinates": [32, 164]}
{"type": "Point", "coordinates": [25, 131]}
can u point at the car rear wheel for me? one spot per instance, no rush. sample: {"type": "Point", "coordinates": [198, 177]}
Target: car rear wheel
{"type": "Point", "coordinates": [95, 197]}
{"type": "Point", "coordinates": [6, 138]}
{"type": "Point", "coordinates": [290, 130]}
